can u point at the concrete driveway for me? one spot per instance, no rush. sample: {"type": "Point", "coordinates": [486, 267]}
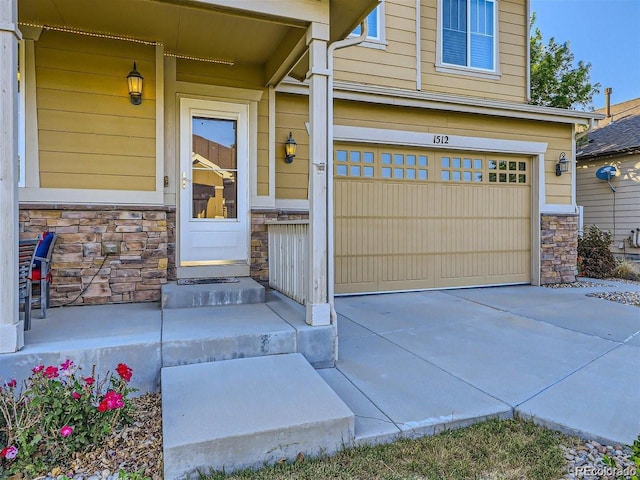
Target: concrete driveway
{"type": "Point", "coordinates": [416, 363]}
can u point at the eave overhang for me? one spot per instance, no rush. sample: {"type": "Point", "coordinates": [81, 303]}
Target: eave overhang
{"type": "Point", "coordinates": [451, 103]}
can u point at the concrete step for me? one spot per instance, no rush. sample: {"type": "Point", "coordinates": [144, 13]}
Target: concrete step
{"type": "Point", "coordinates": [246, 290]}
{"type": "Point", "coordinates": [196, 335]}
{"type": "Point", "coordinates": [247, 412]}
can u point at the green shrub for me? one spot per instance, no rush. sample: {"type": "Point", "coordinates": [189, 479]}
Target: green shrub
{"type": "Point", "coordinates": [57, 412]}
{"type": "Point", "coordinates": [595, 259]}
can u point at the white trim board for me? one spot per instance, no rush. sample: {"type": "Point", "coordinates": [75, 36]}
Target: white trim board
{"type": "Point", "coordinates": [343, 133]}
{"type": "Point", "coordinates": [90, 197]}
{"type": "Point", "coordinates": [292, 204]}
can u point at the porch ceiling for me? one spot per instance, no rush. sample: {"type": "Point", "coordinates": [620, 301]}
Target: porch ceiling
{"type": "Point", "coordinates": [198, 30]}
{"type": "Point", "coordinates": [182, 29]}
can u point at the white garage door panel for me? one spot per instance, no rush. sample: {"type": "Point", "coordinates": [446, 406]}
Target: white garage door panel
{"type": "Point", "coordinates": [405, 233]}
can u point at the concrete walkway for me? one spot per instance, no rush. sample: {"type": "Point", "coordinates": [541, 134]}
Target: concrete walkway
{"type": "Point", "coordinates": [416, 363]}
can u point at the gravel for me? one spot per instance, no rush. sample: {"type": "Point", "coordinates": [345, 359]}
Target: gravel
{"type": "Point", "coordinates": [627, 298]}
{"type": "Point", "coordinates": [576, 284]}
{"type": "Point", "coordinates": [585, 462]}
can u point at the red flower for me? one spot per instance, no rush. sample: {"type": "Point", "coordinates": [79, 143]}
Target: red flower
{"type": "Point", "coordinates": [11, 383]}
{"type": "Point", "coordinates": [76, 395]}
{"type": "Point", "coordinates": [9, 453]}
{"type": "Point", "coordinates": [124, 371]}
{"type": "Point", "coordinates": [51, 372]}
{"type": "Point", "coordinates": [89, 380]}
{"type": "Point", "coordinates": [66, 431]}
{"type": "Point", "coordinates": [111, 401]}
{"type": "Point", "coordinates": [37, 369]}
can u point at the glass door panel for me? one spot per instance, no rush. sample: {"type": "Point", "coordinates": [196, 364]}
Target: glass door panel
{"type": "Point", "coordinates": [214, 168]}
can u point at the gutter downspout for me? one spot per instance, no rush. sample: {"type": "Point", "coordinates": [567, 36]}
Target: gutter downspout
{"type": "Point", "coordinates": [586, 132]}
{"type": "Point", "coordinates": [347, 42]}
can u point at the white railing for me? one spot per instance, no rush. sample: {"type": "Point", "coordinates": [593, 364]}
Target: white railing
{"type": "Point", "coordinates": [289, 257]}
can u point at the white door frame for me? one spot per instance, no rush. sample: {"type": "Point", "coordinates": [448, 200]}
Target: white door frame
{"type": "Point", "coordinates": [241, 111]}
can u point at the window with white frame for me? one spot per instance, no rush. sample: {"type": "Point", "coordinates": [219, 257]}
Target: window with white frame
{"type": "Point", "coordinates": [468, 34]}
{"type": "Point", "coordinates": [375, 25]}
{"type": "Point", "coordinates": [21, 116]}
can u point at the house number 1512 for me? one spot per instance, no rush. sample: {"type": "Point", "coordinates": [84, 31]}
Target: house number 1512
{"type": "Point", "coordinates": [441, 139]}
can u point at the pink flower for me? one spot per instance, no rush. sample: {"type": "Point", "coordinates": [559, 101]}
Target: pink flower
{"type": "Point", "coordinates": [10, 452]}
{"type": "Point", "coordinates": [76, 395]}
{"type": "Point", "coordinates": [89, 380]}
{"type": "Point", "coordinates": [51, 372]}
{"type": "Point", "coordinates": [66, 365]}
{"type": "Point", "coordinates": [66, 431]}
{"type": "Point", "coordinates": [37, 369]}
{"type": "Point", "coordinates": [111, 401]}
{"type": "Point", "coordinates": [124, 371]}
{"type": "Point", "coordinates": [11, 383]}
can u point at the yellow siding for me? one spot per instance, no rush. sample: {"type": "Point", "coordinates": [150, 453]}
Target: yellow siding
{"type": "Point", "coordinates": [90, 135]}
{"type": "Point", "coordinates": [394, 66]}
{"type": "Point", "coordinates": [597, 198]}
{"type": "Point", "coordinates": [511, 86]}
{"type": "Point", "coordinates": [242, 76]}
{"type": "Point", "coordinates": [292, 179]}
{"type": "Point", "coordinates": [263, 146]}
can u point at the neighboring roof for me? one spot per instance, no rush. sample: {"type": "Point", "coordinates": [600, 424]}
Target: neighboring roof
{"type": "Point", "coordinates": [619, 134]}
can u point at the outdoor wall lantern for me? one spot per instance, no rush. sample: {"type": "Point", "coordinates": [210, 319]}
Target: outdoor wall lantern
{"type": "Point", "coordinates": [563, 165]}
{"type": "Point", "coordinates": [290, 149]}
{"type": "Point", "coordinates": [134, 79]}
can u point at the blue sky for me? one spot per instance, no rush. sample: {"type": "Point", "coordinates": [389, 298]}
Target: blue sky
{"type": "Point", "coordinates": [605, 33]}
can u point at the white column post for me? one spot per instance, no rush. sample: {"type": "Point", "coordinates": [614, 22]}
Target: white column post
{"type": "Point", "coordinates": [11, 328]}
{"type": "Point", "coordinates": [318, 308]}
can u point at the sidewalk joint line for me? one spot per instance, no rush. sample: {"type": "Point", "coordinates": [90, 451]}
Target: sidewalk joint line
{"type": "Point", "coordinates": [569, 374]}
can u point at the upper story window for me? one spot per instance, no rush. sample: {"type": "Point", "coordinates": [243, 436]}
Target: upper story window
{"type": "Point", "coordinates": [375, 26]}
{"type": "Point", "coordinates": [468, 34]}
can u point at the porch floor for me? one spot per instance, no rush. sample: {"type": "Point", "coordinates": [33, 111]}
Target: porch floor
{"type": "Point", "coordinates": [148, 338]}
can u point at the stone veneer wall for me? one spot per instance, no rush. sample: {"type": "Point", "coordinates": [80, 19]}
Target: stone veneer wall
{"type": "Point", "coordinates": [260, 238]}
{"type": "Point", "coordinates": [142, 235]}
{"type": "Point", "coordinates": [559, 248]}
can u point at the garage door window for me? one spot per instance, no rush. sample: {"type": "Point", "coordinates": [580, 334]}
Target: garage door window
{"type": "Point", "coordinates": [354, 163]}
{"type": "Point", "coordinates": [381, 164]}
{"type": "Point", "coordinates": [413, 165]}
{"type": "Point", "coordinates": [503, 171]}
{"type": "Point", "coordinates": [461, 169]}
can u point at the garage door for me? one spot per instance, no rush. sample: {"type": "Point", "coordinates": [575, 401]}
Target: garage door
{"type": "Point", "coordinates": [415, 219]}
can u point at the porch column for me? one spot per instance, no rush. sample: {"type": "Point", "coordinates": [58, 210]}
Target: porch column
{"type": "Point", "coordinates": [11, 328]}
{"type": "Point", "coordinates": [318, 308]}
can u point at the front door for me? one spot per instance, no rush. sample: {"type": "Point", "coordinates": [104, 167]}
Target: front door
{"type": "Point", "coordinates": [213, 184]}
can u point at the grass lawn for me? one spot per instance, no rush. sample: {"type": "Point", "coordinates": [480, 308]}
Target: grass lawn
{"type": "Point", "coordinates": [492, 450]}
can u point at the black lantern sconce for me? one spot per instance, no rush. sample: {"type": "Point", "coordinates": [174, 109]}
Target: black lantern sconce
{"type": "Point", "coordinates": [134, 80]}
{"type": "Point", "coordinates": [563, 165]}
{"type": "Point", "coordinates": [290, 149]}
